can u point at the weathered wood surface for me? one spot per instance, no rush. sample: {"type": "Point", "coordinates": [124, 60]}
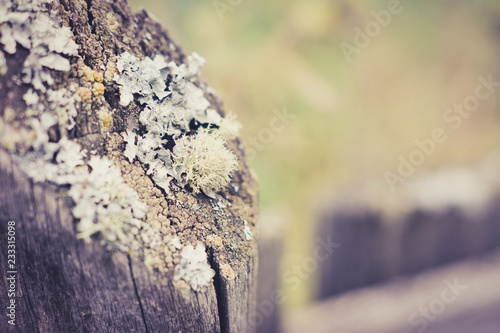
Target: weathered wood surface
{"type": "Point", "coordinates": [460, 298]}
{"type": "Point", "coordinates": [67, 285]}
{"type": "Point", "coordinates": [383, 239]}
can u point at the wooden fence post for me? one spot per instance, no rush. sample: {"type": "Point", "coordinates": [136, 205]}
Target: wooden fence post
{"type": "Point", "coordinates": [143, 252]}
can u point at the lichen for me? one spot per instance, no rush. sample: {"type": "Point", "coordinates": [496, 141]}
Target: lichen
{"type": "Point", "coordinates": [8, 114]}
{"type": "Point", "coordinates": [40, 145]}
{"type": "Point", "coordinates": [229, 126]}
{"type": "Point", "coordinates": [92, 75]}
{"type": "Point", "coordinates": [119, 201]}
{"type": "Point", "coordinates": [106, 120]}
{"type": "Point", "coordinates": [104, 197]}
{"type": "Point", "coordinates": [98, 89]}
{"type": "Point", "coordinates": [84, 94]}
{"type": "Point", "coordinates": [193, 267]}
{"type": "Point", "coordinates": [227, 271]}
{"type": "Point", "coordinates": [247, 231]}
{"type": "Point", "coordinates": [112, 22]}
{"type": "Point", "coordinates": [204, 160]}
{"type": "Point", "coordinates": [31, 98]}
{"type": "Point", "coordinates": [184, 138]}
{"type": "Point", "coordinates": [62, 102]}
{"type": "Point", "coordinates": [33, 26]}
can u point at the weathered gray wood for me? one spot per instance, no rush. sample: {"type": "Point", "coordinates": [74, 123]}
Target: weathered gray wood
{"type": "Point", "coordinates": [67, 285]}
{"type": "Point", "coordinates": [364, 256]}
{"type": "Point", "coordinates": [64, 285]}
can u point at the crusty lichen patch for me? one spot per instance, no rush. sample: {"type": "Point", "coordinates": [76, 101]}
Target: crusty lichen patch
{"type": "Point", "coordinates": [227, 272]}
{"type": "Point", "coordinates": [98, 88]}
{"type": "Point", "coordinates": [84, 94]}
{"type": "Point", "coordinates": [92, 75]}
{"type": "Point", "coordinates": [106, 120]}
{"type": "Point", "coordinates": [194, 268]}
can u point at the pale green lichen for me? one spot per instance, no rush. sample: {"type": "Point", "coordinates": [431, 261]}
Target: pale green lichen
{"type": "Point", "coordinates": [104, 198]}
{"type": "Point", "coordinates": [184, 138]}
{"type": "Point", "coordinates": [205, 161]}
{"type": "Point", "coordinates": [34, 26]}
{"type": "Point", "coordinates": [193, 267]}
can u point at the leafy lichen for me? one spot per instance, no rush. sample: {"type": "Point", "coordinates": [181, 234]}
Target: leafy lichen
{"type": "Point", "coordinates": [193, 267]}
{"type": "Point", "coordinates": [184, 138]}
{"type": "Point", "coordinates": [33, 26]}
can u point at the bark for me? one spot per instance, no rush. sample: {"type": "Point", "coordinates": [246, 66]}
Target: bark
{"type": "Point", "coordinates": [64, 284]}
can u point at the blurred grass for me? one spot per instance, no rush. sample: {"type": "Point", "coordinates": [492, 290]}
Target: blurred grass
{"type": "Point", "coordinates": [352, 120]}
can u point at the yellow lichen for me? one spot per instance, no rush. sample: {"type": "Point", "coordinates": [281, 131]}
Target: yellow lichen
{"type": "Point", "coordinates": [15, 139]}
{"type": "Point", "coordinates": [99, 89]}
{"type": "Point", "coordinates": [89, 73]}
{"type": "Point", "coordinates": [98, 76]}
{"type": "Point", "coordinates": [105, 120]}
{"type": "Point", "coordinates": [84, 94]}
{"type": "Point", "coordinates": [32, 135]}
{"type": "Point", "coordinates": [227, 271]}
{"type": "Point", "coordinates": [214, 241]}
{"type": "Point", "coordinates": [92, 75]}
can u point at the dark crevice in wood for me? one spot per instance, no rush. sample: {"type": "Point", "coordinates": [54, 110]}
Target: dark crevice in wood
{"type": "Point", "coordinates": [137, 292]}
{"type": "Point", "coordinates": [220, 294]}
{"type": "Point", "coordinates": [90, 16]}
{"type": "Point", "coordinates": [112, 96]}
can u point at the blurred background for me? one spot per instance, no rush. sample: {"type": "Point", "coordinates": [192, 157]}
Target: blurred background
{"type": "Point", "coordinates": [340, 102]}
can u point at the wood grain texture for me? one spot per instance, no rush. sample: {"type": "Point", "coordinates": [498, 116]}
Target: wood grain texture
{"type": "Point", "coordinates": [67, 285]}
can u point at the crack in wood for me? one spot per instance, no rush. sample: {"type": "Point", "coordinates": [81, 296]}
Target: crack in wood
{"type": "Point", "coordinates": [136, 291]}
{"type": "Point", "coordinates": [220, 294]}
